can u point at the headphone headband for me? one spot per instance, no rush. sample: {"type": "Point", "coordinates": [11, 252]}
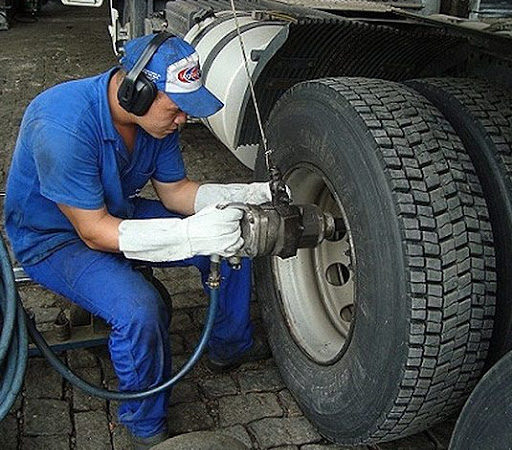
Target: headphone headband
{"type": "Point", "coordinates": [142, 61]}
{"type": "Point", "coordinates": [147, 54]}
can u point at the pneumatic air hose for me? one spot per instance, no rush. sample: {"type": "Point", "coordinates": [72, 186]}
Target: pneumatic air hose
{"type": "Point", "coordinates": [13, 338]}
{"type": "Point", "coordinates": [14, 343]}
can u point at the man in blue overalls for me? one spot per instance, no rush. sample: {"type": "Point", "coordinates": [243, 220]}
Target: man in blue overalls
{"type": "Point", "coordinates": [76, 223]}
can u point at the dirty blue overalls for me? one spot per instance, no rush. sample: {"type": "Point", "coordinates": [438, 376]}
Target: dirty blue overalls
{"type": "Point", "coordinates": [69, 152]}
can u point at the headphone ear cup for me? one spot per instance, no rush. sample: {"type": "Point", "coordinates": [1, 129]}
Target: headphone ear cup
{"type": "Point", "coordinates": [123, 95]}
{"type": "Point", "coordinates": [144, 95]}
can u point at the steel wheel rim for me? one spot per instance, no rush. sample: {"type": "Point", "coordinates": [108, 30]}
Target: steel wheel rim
{"type": "Point", "coordinates": [316, 287]}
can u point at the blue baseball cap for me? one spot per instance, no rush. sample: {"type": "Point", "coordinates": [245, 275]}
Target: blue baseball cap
{"type": "Point", "coordinates": [174, 68]}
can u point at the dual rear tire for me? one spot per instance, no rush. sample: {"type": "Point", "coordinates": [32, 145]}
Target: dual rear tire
{"type": "Point", "coordinates": [385, 330]}
{"type": "Point", "coordinates": [482, 117]}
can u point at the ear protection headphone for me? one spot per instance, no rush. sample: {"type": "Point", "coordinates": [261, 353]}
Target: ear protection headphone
{"type": "Point", "coordinates": [137, 92]}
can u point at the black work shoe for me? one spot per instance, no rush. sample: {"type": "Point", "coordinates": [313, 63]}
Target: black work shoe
{"type": "Point", "coordinates": [140, 443]}
{"type": "Point", "coordinates": [259, 350]}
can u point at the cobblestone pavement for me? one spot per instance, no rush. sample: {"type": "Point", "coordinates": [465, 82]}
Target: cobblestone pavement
{"type": "Point", "coordinates": [251, 403]}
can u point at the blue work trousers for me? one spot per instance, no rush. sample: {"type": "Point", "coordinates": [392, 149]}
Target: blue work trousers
{"type": "Point", "coordinates": [107, 285]}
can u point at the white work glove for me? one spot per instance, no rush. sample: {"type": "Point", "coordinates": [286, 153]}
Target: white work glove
{"type": "Point", "coordinates": [211, 231]}
{"type": "Point", "coordinates": [212, 193]}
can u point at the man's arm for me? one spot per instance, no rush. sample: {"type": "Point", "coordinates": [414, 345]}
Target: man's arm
{"type": "Point", "coordinates": [178, 196]}
{"type": "Point", "coordinates": [211, 231]}
{"type": "Point", "coordinates": [97, 228]}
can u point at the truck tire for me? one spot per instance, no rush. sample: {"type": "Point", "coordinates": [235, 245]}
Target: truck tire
{"type": "Point", "coordinates": [383, 331]}
{"type": "Point", "coordinates": [486, 420]}
{"type": "Point", "coordinates": [482, 117]}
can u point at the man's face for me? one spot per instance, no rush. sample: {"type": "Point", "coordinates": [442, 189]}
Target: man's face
{"type": "Point", "coordinates": [162, 118]}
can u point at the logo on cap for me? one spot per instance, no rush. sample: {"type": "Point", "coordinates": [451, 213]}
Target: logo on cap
{"type": "Point", "coordinates": [189, 74]}
{"type": "Point", "coordinates": [183, 75]}
{"type": "Point", "coordinates": [152, 76]}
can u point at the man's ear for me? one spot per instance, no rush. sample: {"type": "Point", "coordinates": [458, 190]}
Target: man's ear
{"type": "Point", "coordinates": [120, 75]}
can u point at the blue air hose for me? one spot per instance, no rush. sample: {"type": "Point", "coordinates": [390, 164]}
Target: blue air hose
{"type": "Point", "coordinates": [13, 338]}
{"type": "Point", "coordinates": [14, 343]}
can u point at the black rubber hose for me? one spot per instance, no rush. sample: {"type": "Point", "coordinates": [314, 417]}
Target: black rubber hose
{"type": "Point", "coordinates": [14, 346]}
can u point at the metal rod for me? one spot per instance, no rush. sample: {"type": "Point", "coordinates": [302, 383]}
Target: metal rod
{"type": "Point", "coordinates": [251, 87]}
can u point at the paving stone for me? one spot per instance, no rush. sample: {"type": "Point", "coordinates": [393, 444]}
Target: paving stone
{"type": "Point", "coordinates": [177, 345]}
{"type": "Point", "coordinates": [18, 403]}
{"type": "Point", "coordinates": [148, 192]}
{"type": "Point", "coordinates": [106, 366]}
{"type": "Point", "coordinates": [36, 297]}
{"type": "Point", "coordinates": [187, 417]}
{"type": "Point", "coordinates": [199, 316]}
{"type": "Point", "coordinates": [92, 431]}
{"type": "Point", "coordinates": [121, 439]}
{"type": "Point", "coordinates": [263, 364]}
{"type": "Point", "coordinates": [82, 357]}
{"type": "Point", "coordinates": [41, 380]}
{"type": "Point", "coordinates": [44, 417]}
{"type": "Point", "coordinates": [9, 433]}
{"type": "Point", "coordinates": [43, 327]}
{"type": "Point", "coordinates": [191, 339]}
{"type": "Point", "coordinates": [45, 443]}
{"type": "Point", "coordinates": [260, 380]}
{"type": "Point", "coordinates": [418, 441]}
{"type": "Point", "coordinates": [238, 432]}
{"type": "Point", "coordinates": [219, 386]}
{"type": "Point", "coordinates": [113, 405]}
{"type": "Point", "coordinates": [333, 447]}
{"type": "Point", "coordinates": [45, 315]}
{"type": "Point", "coordinates": [272, 432]}
{"type": "Point", "coordinates": [185, 392]}
{"type": "Point", "coordinates": [245, 408]}
{"type": "Point", "coordinates": [83, 401]}
{"type": "Point", "coordinates": [189, 299]}
{"type": "Point", "coordinates": [199, 372]}
{"type": "Point", "coordinates": [289, 404]}
{"type": "Point", "coordinates": [179, 279]}
{"type": "Point", "coordinates": [255, 311]}
{"type": "Point", "coordinates": [181, 321]}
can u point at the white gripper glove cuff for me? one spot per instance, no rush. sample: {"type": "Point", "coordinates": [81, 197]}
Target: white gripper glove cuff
{"type": "Point", "coordinates": [212, 193]}
{"type": "Point", "coordinates": [154, 239]}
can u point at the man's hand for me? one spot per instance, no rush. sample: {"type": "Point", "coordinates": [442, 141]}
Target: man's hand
{"type": "Point", "coordinates": [214, 231]}
{"type": "Point", "coordinates": [254, 193]}
{"type": "Point", "coordinates": [211, 231]}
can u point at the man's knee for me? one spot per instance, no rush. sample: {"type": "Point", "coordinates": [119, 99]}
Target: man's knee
{"type": "Point", "coordinates": [144, 312]}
